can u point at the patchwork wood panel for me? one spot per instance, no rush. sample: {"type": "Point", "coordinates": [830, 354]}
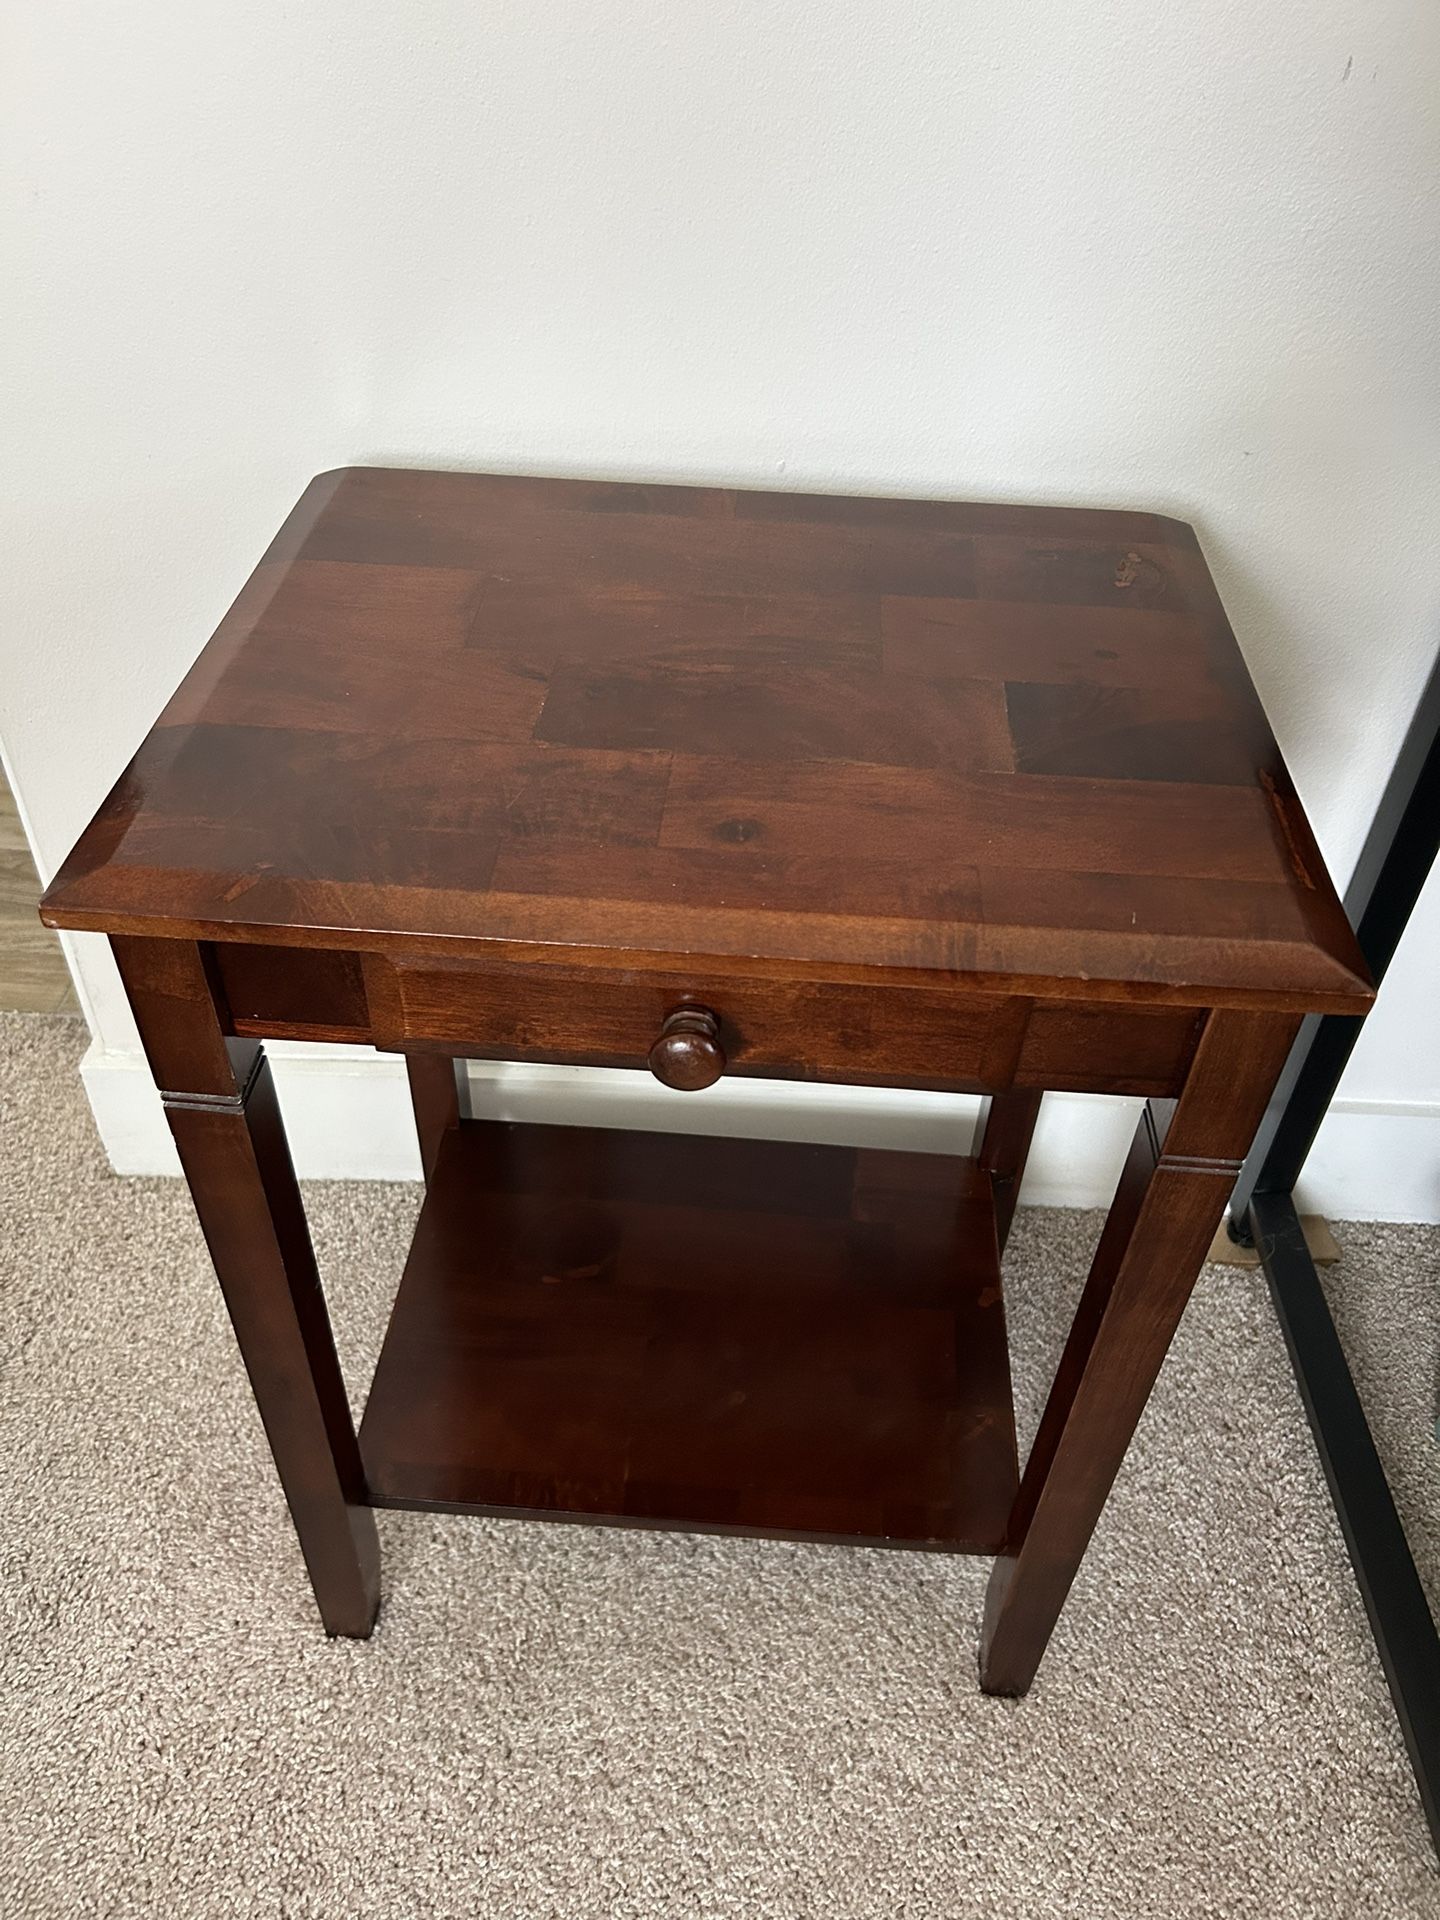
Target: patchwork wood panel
{"type": "Point", "coordinates": [1013, 747]}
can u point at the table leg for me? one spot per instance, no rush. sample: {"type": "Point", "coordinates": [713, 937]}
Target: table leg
{"type": "Point", "coordinates": [1184, 1161]}
{"type": "Point", "coordinates": [1004, 1132]}
{"type": "Point", "coordinates": [439, 1093]}
{"type": "Point", "coordinates": [220, 1102]}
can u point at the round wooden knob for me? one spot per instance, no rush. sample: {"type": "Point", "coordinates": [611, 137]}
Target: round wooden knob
{"type": "Point", "coordinates": [688, 1054]}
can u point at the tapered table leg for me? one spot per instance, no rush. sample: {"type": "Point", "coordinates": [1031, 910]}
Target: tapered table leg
{"type": "Point", "coordinates": [1179, 1174]}
{"type": "Point", "coordinates": [220, 1102]}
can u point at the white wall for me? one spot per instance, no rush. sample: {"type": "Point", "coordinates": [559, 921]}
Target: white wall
{"type": "Point", "coordinates": [1185, 258]}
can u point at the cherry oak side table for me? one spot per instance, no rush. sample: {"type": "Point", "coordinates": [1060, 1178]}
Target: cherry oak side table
{"type": "Point", "coordinates": [872, 792]}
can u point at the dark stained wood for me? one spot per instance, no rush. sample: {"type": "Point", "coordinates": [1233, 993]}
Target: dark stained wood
{"type": "Point", "coordinates": [292, 993]}
{"type": "Point", "coordinates": [1005, 1130]}
{"type": "Point", "coordinates": [1172, 1194]}
{"type": "Point", "coordinates": [778, 1028]}
{"type": "Point", "coordinates": [1071, 1048]}
{"type": "Point", "coordinates": [1012, 642]}
{"type": "Point", "coordinates": [1124, 826]}
{"type": "Point", "coordinates": [783, 712]}
{"type": "Point", "coordinates": [534, 1007]}
{"type": "Point", "coordinates": [435, 1096]}
{"type": "Point", "coordinates": [727, 1335]}
{"type": "Point", "coordinates": [220, 1102]}
{"type": "Point", "coordinates": [1013, 747]}
{"type": "Point", "coordinates": [875, 791]}
{"type": "Point", "coordinates": [1109, 733]}
{"type": "Point", "coordinates": [687, 1054]}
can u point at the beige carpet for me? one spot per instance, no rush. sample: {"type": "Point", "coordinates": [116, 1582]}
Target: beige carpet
{"type": "Point", "coordinates": [566, 1721]}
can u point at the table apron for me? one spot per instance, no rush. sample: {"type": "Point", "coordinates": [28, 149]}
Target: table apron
{"type": "Point", "coordinates": [841, 1033]}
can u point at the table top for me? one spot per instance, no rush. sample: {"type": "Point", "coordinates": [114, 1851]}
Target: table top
{"type": "Point", "coordinates": [1013, 744]}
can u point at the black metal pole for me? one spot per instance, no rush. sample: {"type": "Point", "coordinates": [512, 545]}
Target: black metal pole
{"type": "Point", "coordinates": [1397, 858]}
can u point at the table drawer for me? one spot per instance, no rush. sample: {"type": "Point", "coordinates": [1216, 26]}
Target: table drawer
{"type": "Point", "coordinates": [775, 1029]}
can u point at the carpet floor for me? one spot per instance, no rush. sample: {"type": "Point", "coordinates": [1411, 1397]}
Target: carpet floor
{"type": "Point", "coordinates": [570, 1721]}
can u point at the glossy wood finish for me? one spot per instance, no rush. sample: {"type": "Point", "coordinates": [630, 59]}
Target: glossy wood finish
{"type": "Point", "coordinates": [220, 1102]}
{"type": "Point", "coordinates": [779, 1027]}
{"type": "Point", "coordinates": [728, 1335]}
{"type": "Point", "coordinates": [1015, 747]}
{"type": "Point", "coordinates": [293, 993]}
{"type": "Point", "coordinates": [901, 793]}
{"type": "Point", "coordinates": [687, 1054]}
{"type": "Point", "coordinates": [1172, 1194]}
{"type": "Point", "coordinates": [533, 1005]}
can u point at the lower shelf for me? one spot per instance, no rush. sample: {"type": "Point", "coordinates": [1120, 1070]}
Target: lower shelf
{"type": "Point", "coordinates": [719, 1335]}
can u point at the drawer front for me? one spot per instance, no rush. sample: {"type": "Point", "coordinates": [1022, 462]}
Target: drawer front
{"type": "Point", "coordinates": [784, 1030]}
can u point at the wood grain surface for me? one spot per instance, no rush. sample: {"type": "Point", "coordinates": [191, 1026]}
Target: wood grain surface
{"type": "Point", "coordinates": [727, 1335]}
{"type": "Point", "coordinates": [220, 1101]}
{"type": "Point", "coordinates": [1016, 747]}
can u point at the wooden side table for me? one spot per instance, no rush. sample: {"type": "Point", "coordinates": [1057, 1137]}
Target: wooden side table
{"type": "Point", "coordinates": [877, 792]}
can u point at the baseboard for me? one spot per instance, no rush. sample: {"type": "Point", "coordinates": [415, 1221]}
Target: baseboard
{"type": "Point", "coordinates": [348, 1116]}
{"type": "Point", "coordinates": [1375, 1161]}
